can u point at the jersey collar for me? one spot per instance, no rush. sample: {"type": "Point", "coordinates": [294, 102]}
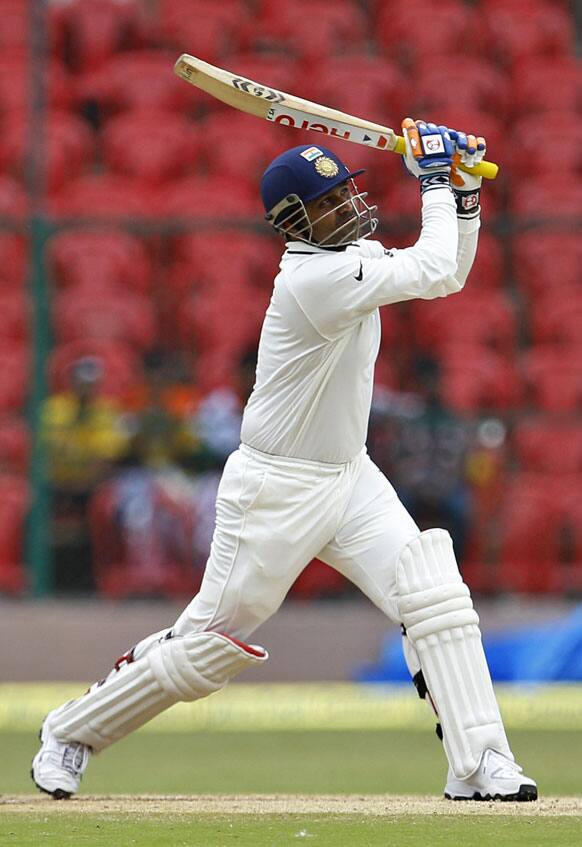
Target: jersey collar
{"type": "Point", "coordinates": [303, 247]}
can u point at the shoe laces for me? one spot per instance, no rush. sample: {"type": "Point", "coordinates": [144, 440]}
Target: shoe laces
{"type": "Point", "coordinates": [73, 759]}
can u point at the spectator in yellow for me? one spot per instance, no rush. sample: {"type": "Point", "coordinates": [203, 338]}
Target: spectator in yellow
{"type": "Point", "coordinates": [82, 429]}
{"type": "Point", "coordinates": [83, 433]}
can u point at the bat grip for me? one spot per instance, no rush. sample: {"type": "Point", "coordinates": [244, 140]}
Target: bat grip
{"type": "Point", "coordinates": [488, 170]}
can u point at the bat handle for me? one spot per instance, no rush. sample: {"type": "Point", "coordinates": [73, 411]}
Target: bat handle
{"type": "Point", "coordinates": [488, 170]}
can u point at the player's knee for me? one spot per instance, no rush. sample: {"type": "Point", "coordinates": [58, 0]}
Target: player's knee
{"type": "Point", "coordinates": [197, 664]}
{"type": "Point", "coordinates": [432, 596]}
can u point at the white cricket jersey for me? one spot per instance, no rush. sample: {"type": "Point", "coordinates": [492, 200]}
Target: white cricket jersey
{"type": "Point", "coordinates": [321, 333]}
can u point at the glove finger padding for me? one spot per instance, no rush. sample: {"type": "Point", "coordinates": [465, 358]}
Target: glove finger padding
{"type": "Point", "coordinates": [469, 150]}
{"type": "Point", "coordinates": [428, 147]}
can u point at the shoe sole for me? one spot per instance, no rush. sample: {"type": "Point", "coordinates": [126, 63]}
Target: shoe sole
{"type": "Point", "coordinates": [526, 794]}
{"type": "Point", "coordinates": [58, 793]}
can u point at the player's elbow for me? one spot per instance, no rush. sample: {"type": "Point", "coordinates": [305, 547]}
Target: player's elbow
{"type": "Point", "coordinates": [441, 267]}
{"type": "Point", "coordinates": [449, 266]}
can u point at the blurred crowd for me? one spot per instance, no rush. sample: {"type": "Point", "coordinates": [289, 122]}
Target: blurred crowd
{"type": "Point", "coordinates": [134, 479]}
{"type": "Point", "coordinates": [135, 264]}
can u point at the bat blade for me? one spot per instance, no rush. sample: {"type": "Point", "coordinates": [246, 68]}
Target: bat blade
{"type": "Point", "coordinates": [288, 110]}
{"type": "Point", "coordinates": [235, 91]}
{"type": "Point", "coordinates": [279, 107]}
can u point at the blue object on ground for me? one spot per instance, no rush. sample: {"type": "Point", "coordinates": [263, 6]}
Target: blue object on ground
{"type": "Point", "coordinates": [549, 652]}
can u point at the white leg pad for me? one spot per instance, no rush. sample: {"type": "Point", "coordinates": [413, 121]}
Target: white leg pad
{"type": "Point", "coordinates": [436, 609]}
{"type": "Point", "coordinates": [155, 675]}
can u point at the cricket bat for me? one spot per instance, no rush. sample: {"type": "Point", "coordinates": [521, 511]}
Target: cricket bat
{"type": "Point", "coordinates": [288, 110]}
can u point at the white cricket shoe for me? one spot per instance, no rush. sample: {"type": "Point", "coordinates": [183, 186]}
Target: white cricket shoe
{"type": "Point", "coordinates": [58, 766]}
{"type": "Point", "coordinates": [496, 778]}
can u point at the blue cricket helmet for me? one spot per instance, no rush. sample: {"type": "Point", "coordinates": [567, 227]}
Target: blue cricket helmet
{"type": "Point", "coordinates": [307, 171]}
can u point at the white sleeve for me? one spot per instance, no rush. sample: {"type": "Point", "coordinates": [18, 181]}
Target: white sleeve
{"type": "Point", "coordinates": [468, 238]}
{"type": "Point", "coordinates": [354, 285]}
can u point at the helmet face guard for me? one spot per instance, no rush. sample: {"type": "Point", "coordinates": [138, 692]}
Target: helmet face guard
{"type": "Point", "coordinates": [290, 218]}
{"type": "Point", "coordinates": [306, 173]}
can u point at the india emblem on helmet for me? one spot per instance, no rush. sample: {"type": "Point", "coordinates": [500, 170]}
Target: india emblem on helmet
{"type": "Point", "coordinates": [326, 167]}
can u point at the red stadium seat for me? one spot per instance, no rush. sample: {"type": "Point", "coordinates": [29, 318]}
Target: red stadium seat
{"type": "Point", "coordinates": [528, 532]}
{"type": "Point", "coordinates": [514, 29]}
{"type": "Point", "coordinates": [549, 447]}
{"type": "Point", "coordinates": [212, 256]}
{"type": "Point", "coordinates": [414, 31]}
{"type": "Point", "coordinates": [122, 367]}
{"type": "Point", "coordinates": [437, 84]}
{"type": "Point", "coordinates": [308, 28]}
{"type": "Point", "coordinates": [238, 145]}
{"type": "Point", "coordinates": [475, 379]}
{"type": "Point", "coordinates": [104, 196]}
{"type": "Point", "coordinates": [14, 202]}
{"type": "Point", "coordinates": [105, 315]}
{"type": "Point", "coordinates": [471, 317]}
{"type": "Point", "coordinates": [90, 31]}
{"type": "Point", "coordinates": [488, 269]}
{"type": "Point", "coordinates": [13, 260]}
{"type": "Point", "coordinates": [15, 29]}
{"type": "Point", "coordinates": [211, 199]}
{"type": "Point", "coordinates": [534, 200]}
{"type": "Point", "coordinates": [14, 377]}
{"type": "Point", "coordinates": [545, 261]}
{"type": "Point", "coordinates": [154, 146]}
{"type": "Point", "coordinates": [553, 376]}
{"type": "Point", "coordinates": [547, 85]}
{"type": "Point", "coordinates": [208, 321]}
{"type": "Point", "coordinates": [393, 329]}
{"type": "Point", "coordinates": [529, 157]}
{"type": "Point", "coordinates": [15, 443]}
{"type": "Point", "coordinates": [385, 370]}
{"type": "Point", "coordinates": [216, 368]}
{"type": "Point", "coordinates": [201, 27]}
{"type": "Point", "coordinates": [14, 505]}
{"type": "Point", "coordinates": [140, 79]}
{"type": "Point", "coordinates": [15, 81]}
{"type": "Point", "coordinates": [557, 319]}
{"type": "Point", "coordinates": [68, 147]}
{"type": "Point", "coordinates": [103, 258]}
{"type": "Point", "coordinates": [15, 308]}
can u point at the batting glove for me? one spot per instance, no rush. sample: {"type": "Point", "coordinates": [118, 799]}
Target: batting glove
{"type": "Point", "coordinates": [429, 153]}
{"type": "Point", "coordinates": [469, 151]}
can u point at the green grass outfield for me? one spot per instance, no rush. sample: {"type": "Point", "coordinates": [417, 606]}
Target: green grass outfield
{"type": "Point", "coordinates": [348, 753]}
{"type": "Point", "coordinates": [319, 830]}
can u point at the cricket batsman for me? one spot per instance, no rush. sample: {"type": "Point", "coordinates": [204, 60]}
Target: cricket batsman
{"type": "Point", "coordinates": [301, 485]}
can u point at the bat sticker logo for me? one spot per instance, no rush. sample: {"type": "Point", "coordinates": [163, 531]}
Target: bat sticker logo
{"type": "Point", "coordinates": [250, 87]}
{"type": "Point", "coordinates": [184, 71]}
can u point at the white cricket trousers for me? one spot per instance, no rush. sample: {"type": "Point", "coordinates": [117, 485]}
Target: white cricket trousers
{"type": "Point", "coordinates": [274, 515]}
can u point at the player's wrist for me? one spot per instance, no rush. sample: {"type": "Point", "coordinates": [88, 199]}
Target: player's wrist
{"type": "Point", "coordinates": [468, 203]}
{"type": "Point", "coordinates": [433, 181]}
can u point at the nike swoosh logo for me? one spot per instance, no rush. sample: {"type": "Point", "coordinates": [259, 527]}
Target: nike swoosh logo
{"type": "Point", "coordinates": [360, 276]}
